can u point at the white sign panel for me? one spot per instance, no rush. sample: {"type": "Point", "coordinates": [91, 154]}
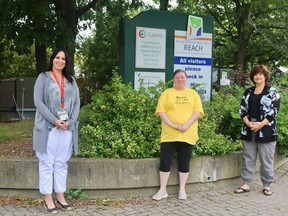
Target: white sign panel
{"type": "Point", "coordinates": [147, 79]}
{"type": "Point", "coordinates": [150, 48]}
{"type": "Point", "coordinates": [195, 57]}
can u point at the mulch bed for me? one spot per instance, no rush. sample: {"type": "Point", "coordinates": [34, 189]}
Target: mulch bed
{"type": "Point", "coordinates": [17, 148]}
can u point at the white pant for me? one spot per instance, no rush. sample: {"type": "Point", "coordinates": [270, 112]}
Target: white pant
{"type": "Point", "coordinates": [53, 163]}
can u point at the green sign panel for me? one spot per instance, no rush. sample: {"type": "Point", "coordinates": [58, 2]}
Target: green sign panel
{"type": "Point", "coordinates": [155, 43]}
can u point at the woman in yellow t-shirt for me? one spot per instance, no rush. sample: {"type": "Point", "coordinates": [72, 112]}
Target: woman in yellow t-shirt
{"type": "Point", "coordinates": [179, 109]}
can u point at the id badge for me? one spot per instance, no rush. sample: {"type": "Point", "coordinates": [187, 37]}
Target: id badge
{"type": "Point", "coordinates": [63, 115]}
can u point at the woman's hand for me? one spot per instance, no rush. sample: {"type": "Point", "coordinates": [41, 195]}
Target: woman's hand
{"type": "Point", "coordinates": [194, 117]}
{"type": "Point", "coordinates": [175, 126]}
{"type": "Point", "coordinates": [249, 124]}
{"type": "Point", "coordinates": [258, 125]}
{"type": "Point", "coordinates": [254, 126]}
{"type": "Point", "coordinates": [61, 124]}
{"type": "Point", "coordinates": [183, 127]}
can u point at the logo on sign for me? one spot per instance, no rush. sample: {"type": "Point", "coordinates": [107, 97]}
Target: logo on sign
{"type": "Point", "coordinates": [142, 34]}
{"type": "Point", "coordinates": [194, 27]}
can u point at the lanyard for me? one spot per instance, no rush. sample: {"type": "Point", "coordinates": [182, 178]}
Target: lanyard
{"type": "Point", "coordinates": [61, 86]}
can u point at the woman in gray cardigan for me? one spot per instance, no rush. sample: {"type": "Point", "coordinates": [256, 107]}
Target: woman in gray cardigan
{"type": "Point", "coordinates": [55, 135]}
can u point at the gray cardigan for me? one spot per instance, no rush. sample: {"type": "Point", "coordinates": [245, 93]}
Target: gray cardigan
{"type": "Point", "coordinates": [44, 118]}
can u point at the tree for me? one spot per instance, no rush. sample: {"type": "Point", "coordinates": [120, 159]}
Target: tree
{"type": "Point", "coordinates": [14, 65]}
{"type": "Point", "coordinates": [246, 32]}
{"type": "Point", "coordinates": [49, 23]}
{"type": "Point", "coordinates": [100, 52]}
{"type": "Point", "coordinates": [23, 27]}
{"type": "Point", "coordinates": [68, 15]}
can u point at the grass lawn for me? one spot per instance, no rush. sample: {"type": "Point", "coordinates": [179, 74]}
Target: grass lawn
{"type": "Point", "coordinates": [16, 130]}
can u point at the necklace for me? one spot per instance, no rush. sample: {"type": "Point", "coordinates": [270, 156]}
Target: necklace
{"type": "Point", "coordinates": [258, 91]}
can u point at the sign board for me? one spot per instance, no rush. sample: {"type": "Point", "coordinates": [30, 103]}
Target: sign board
{"type": "Point", "coordinates": [195, 57]}
{"type": "Point", "coordinates": [147, 79]}
{"type": "Point", "coordinates": [155, 43]}
{"type": "Point", "coordinates": [150, 48]}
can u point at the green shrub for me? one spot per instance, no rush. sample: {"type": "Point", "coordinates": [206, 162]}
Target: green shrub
{"type": "Point", "coordinates": [280, 82]}
{"type": "Point", "coordinates": [219, 130]}
{"type": "Point", "coordinates": [282, 120]}
{"type": "Point", "coordinates": [224, 106]}
{"type": "Point", "coordinates": [76, 194]}
{"type": "Point", "coordinates": [211, 142]}
{"type": "Point", "coordinates": [120, 123]}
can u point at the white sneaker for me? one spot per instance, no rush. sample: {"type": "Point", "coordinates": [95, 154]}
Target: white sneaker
{"type": "Point", "coordinates": [160, 195]}
{"type": "Point", "coordinates": [182, 195]}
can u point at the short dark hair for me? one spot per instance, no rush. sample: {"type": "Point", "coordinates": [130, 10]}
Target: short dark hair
{"type": "Point", "coordinates": [262, 69]}
{"type": "Point", "coordinates": [179, 71]}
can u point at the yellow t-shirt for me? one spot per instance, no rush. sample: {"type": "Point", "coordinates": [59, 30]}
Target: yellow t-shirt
{"type": "Point", "coordinates": [179, 107]}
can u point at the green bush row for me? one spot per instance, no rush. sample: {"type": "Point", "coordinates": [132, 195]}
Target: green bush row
{"type": "Point", "coordinates": [120, 122]}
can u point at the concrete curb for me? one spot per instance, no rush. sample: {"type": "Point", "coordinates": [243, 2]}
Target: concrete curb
{"type": "Point", "coordinates": [123, 178]}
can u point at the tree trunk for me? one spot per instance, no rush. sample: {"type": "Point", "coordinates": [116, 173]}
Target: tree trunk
{"type": "Point", "coordinates": [181, 5]}
{"type": "Point", "coordinates": [240, 64]}
{"type": "Point", "coordinates": [40, 56]}
{"type": "Point", "coordinates": [67, 21]}
{"type": "Point", "coordinates": [244, 33]}
{"type": "Point", "coordinates": [164, 5]}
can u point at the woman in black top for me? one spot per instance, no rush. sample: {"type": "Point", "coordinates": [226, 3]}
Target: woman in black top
{"type": "Point", "coordinates": [259, 106]}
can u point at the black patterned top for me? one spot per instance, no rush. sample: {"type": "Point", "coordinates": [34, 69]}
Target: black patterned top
{"type": "Point", "coordinates": [269, 108]}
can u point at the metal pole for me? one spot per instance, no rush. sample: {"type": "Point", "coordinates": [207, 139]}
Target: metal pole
{"type": "Point", "coordinates": [17, 109]}
{"type": "Point", "coordinates": [23, 98]}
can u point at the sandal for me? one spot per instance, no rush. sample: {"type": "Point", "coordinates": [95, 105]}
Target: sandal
{"type": "Point", "coordinates": [267, 192]}
{"type": "Point", "coordinates": [50, 210]}
{"type": "Point", "coordinates": [241, 190]}
{"type": "Point", "coordinates": [64, 207]}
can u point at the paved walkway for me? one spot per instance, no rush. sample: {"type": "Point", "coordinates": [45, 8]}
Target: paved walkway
{"type": "Point", "coordinates": [213, 202]}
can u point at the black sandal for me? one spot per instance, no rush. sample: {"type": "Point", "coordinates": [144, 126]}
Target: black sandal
{"type": "Point", "coordinates": [65, 207]}
{"type": "Point", "coordinates": [50, 210]}
{"type": "Point", "coordinates": [267, 192]}
{"type": "Point", "coordinates": [241, 190]}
